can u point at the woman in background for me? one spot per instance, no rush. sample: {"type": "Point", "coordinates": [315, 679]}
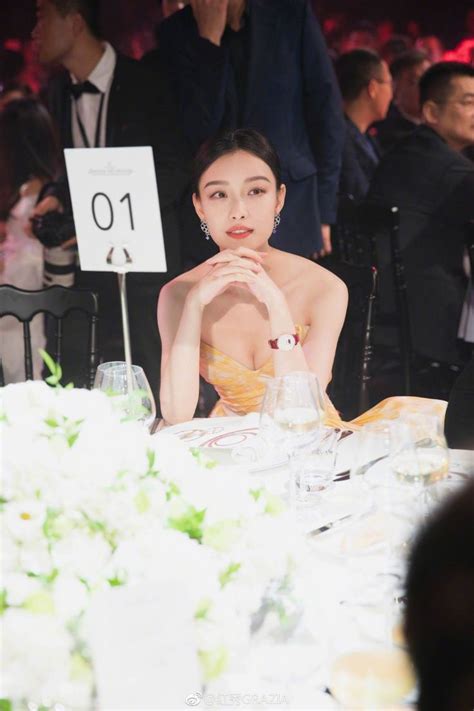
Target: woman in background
{"type": "Point", "coordinates": [28, 160]}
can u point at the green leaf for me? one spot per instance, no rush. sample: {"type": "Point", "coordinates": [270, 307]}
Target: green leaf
{"type": "Point", "coordinates": [256, 493]}
{"type": "Point", "coordinates": [6, 705]}
{"type": "Point", "coordinates": [229, 574]}
{"type": "Point", "coordinates": [213, 662]}
{"type": "Point", "coordinates": [47, 578]}
{"type": "Point", "coordinates": [48, 361]}
{"type": "Point", "coordinates": [202, 459]}
{"type": "Point", "coordinates": [151, 456]}
{"type": "Point", "coordinates": [190, 522]}
{"type": "Point", "coordinates": [203, 609]}
{"type": "Point", "coordinates": [116, 581]}
{"type": "Point", "coordinates": [51, 423]}
{"type": "Point", "coordinates": [54, 368]}
{"type": "Point", "coordinates": [173, 490]}
{"type": "Point", "coordinates": [3, 604]}
{"type": "Point", "coordinates": [71, 439]}
{"type": "Point", "coordinates": [50, 528]}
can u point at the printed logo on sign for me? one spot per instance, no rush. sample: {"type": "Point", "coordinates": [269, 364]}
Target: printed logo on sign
{"type": "Point", "coordinates": [110, 170]}
{"type": "Point", "coordinates": [193, 699]}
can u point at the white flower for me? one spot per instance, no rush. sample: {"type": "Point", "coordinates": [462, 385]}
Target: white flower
{"type": "Point", "coordinates": [35, 655]}
{"type": "Point", "coordinates": [93, 502]}
{"type": "Point", "coordinates": [70, 596]}
{"type": "Point", "coordinates": [82, 555]}
{"type": "Point", "coordinates": [24, 519]}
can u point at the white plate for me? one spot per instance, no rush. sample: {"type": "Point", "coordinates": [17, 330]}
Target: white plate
{"type": "Point", "coordinates": [216, 432]}
{"type": "Point", "coordinates": [224, 438]}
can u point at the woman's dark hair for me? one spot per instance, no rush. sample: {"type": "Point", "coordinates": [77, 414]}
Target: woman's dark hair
{"type": "Point", "coordinates": [28, 146]}
{"type": "Point", "coordinates": [242, 139]}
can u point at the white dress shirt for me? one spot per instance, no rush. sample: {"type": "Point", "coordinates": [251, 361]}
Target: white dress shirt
{"type": "Point", "coordinates": [88, 105]}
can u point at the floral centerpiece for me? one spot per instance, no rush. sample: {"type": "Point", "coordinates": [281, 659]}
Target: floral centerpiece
{"type": "Point", "coordinates": [89, 502]}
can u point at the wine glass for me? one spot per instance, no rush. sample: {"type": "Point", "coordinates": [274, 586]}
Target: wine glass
{"type": "Point", "coordinates": [418, 454]}
{"type": "Point", "coordinates": [138, 404]}
{"type": "Point", "coordinates": [291, 417]}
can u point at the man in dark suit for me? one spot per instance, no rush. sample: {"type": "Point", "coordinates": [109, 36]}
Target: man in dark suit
{"type": "Point", "coordinates": [432, 183]}
{"type": "Point", "coordinates": [404, 114]}
{"type": "Point", "coordinates": [264, 65]}
{"type": "Point", "coordinates": [366, 88]}
{"type": "Point", "coordinates": [459, 421]}
{"type": "Point", "coordinates": [105, 99]}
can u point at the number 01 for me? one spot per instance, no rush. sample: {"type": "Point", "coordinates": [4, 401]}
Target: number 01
{"type": "Point", "coordinates": [105, 197]}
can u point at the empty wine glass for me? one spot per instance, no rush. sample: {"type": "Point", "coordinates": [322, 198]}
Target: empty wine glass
{"type": "Point", "coordinates": [138, 404]}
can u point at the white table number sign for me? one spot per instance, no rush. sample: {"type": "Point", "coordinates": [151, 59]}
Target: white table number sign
{"type": "Point", "coordinates": [116, 209]}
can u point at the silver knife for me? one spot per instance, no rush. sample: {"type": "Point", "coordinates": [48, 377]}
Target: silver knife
{"type": "Point", "coordinates": [328, 526]}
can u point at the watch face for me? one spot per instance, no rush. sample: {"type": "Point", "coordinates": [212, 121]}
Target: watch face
{"type": "Point", "coordinates": [286, 342]}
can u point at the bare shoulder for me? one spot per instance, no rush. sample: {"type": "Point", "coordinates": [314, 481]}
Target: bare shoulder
{"type": "Point", "coordinates": [326, 281]}
{"type": "Point", "coordinates": [318, 280]}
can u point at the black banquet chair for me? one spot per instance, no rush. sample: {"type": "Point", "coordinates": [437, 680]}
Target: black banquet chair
{"type": "Point", "coordinates": [349, 388]}
{"type": "Point", "coordinates": [357, 238]}
{"type": "Point", "coordinates": [58, 302]}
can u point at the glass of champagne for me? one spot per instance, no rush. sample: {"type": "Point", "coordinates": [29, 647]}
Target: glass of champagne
{"type": "Point", "coordinates": [418, 454]}
{"type": "Point", "coordinates": [292, 415]}
{"type": "Point", "coordinates": [138, 404]}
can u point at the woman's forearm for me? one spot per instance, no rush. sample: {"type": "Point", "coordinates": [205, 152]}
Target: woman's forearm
{"type": "Point", "coordinates": [179, 392]}
{"type": "Point", "coordinates": [281, 322]}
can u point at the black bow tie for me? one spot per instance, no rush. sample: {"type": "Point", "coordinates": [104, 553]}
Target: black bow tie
{"type": "Point", "coordinates": [86, 87]}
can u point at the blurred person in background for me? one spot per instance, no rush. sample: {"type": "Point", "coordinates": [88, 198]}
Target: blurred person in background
{"type": "Point", "coordinates": [433, 47]}
{"type": "Point", "coordinates": [432, 184]}
{"type": "Point", "coordinates": [366, 88]}
{"type": "Point", "coordinates": [14, 90]}
{"type": "Point", "coordinates": [100, 98]}
{"type": "Point", "coordinates": [28, 160]}
{"type": "Point", "coordinates": [404, 114]}
{"type": "Point", "coordinates": [394, 47]}
{"type": "Point", "coordinates": [459, 420]}
{"type": "Point", "coordinates": [217, 55]}
{"type": "Point", "coordinates": [439, 615]}
{"type": "Point", "coordinates": [362, 35]}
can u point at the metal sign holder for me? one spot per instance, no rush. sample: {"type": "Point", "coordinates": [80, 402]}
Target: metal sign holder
{"type": "Point", "coordinates": [119, 259]}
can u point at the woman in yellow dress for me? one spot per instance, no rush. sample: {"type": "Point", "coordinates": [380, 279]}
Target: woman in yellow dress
{"type": "Point", "coordinates": [252, 311]}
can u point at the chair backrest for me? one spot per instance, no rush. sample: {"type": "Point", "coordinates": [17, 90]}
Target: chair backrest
{"type": "Point", "coordinates": [349, 388]}
{"type": "Point", "coordinates": [58, 301]}
{"type": "Point", "coordinates": [470, 246]}
{"type": "Point", "coordinates": [350, 243]}
{"type": "Point", "coordinates": [383, 221]}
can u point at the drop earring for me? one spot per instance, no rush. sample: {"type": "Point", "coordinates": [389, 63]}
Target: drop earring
{"type": "Point", "coordinates": [205, 229]}
{"type": "Point", "coordinates": [276, 222]}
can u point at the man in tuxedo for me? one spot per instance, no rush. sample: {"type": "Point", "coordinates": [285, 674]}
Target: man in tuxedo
{"type": "Point", "coordinates": [366, 88]}
{"type": "Point", "coordinates": [264, 65]}
{"type": "Point", "coordinates": [103, 99]}
{"type": "Point", "coordinates": [404, 114]}
{"type": "Point", "coordinates": [432, 184]}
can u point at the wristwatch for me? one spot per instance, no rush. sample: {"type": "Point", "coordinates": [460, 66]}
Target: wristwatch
{"type": "Point", "coordinates": [285, 342]}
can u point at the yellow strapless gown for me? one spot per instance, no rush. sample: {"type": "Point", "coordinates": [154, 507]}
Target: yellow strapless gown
{"type": "Point", "coordinates": [241, 390]}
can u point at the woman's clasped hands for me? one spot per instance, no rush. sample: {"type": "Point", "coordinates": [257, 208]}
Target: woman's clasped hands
{"type": "Point", "coordinates": [236, 267]}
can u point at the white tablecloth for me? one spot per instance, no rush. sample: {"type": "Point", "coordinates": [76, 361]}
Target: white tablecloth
{"type": "Point", "coordinates": [351, 584]}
